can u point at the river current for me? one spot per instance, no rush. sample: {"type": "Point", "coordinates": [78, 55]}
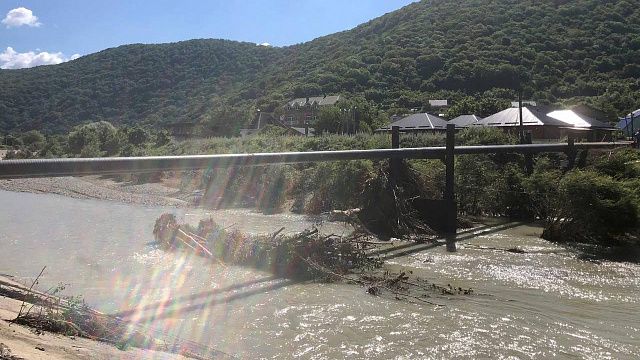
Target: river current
{"type": "Point", "coordinates": [544, 303]}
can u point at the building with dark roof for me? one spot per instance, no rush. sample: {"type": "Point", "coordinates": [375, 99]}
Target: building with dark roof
{"type": "Point", "coordinates": [544, 124]}
{"type": "Point", "coordinates": [583, 126]}
{"type": "Point", "coordinates": [418, 123]}
{"type": "Point", "coordinates": [591, 112]}
{"type": "Point", "coordinates": [534, 120]}
{"type": "Point", "coordinates": [578, 120]}
{"type": "Point", "coordinates": [464, 121]}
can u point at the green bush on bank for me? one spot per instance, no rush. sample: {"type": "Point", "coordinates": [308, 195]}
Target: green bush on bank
{"type": "Point", "coordinates": [592, 207]}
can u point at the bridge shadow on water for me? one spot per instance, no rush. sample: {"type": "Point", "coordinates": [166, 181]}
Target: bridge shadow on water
{"type": "Point", "coordinates": [182, 305]}
{"type": "Point", "coordinates": [448, 241]}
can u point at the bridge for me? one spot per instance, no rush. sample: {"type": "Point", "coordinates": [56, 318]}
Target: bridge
{"type": "Point", "coordinates": [11, 169]}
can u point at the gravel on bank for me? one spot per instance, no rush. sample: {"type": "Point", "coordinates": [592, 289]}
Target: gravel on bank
{"type": "Point", "coordinates": [101, 188]}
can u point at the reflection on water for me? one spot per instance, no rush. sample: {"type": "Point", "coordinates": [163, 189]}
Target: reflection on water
{"type": "Point", "coordinates": [536, 305]}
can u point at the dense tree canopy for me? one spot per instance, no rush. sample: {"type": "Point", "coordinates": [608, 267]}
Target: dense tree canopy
{"type": "Point", "coordinates": [556, 51]}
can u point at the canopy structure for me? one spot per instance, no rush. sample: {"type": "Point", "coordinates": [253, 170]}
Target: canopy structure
{"type": "Point", "coordinates": [464, 121]}
{"type": "Point", "coordinates": [511, 117]}
{"type": "Point", "coordinates": [576, 120]}
{"type": "Point", "coordinates": [628, 127]}
{"type": "Point", "coordinates": [418, 122]}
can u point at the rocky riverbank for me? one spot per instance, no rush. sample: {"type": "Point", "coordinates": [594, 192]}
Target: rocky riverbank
{"type": "Point", "coordinates": [101, 188]}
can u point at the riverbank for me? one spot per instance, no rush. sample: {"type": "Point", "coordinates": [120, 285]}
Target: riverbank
{"type": "Point", "coordinates": [21, 342]}
{"type": "Point", "coordinates": [100, 188]}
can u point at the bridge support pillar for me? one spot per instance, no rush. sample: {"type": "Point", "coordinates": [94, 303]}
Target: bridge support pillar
{"type": "Point", "coordinates": [571, 152]}
{"type": "Point", "coordinates": [451, 209]}
{"type": "Point", "coordinates": [395, 163]}
{"type": "Point", "coordinates": [528, 157]}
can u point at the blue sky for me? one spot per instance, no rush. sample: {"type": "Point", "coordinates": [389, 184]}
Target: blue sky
{"type": "Point", "coordinates": [50, 31]}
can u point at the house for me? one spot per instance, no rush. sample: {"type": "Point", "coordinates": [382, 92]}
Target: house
{"type": "Point", "coordinates": [591, 112]}
{"type": "Point", "coordinates": [418, 123]}
{"type": "Point", "coordinates": [301, 111]}
{"type": "Point", "coordinates": [544, 124]}
{"type": "Point", "coordinates": [577, 120]}
{"type": "Point", "coordinates": [583, 126]}
{"type": "Point", "coordinates": [464, 121]}
{"type": "Point", "coordinates": [534, 120]}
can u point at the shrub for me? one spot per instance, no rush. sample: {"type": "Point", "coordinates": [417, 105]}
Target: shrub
{"type": "Point", "coordinates": [484, 136]}
{"type": "Point", "coordinates": [620, 163]}
{"type": "Point", "coordinates": [335, 185]}
{"type": "Point", "coordinates": [592, 208]}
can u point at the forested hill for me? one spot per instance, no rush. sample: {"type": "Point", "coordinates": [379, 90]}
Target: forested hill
{"type": "Point", "coordinates": [558, 51]}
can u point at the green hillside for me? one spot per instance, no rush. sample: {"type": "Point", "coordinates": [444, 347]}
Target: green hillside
{"type": "Point", "coordinates": [557, 51]}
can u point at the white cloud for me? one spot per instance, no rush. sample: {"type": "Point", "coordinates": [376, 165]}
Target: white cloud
{"type": "Point", "coordinates": [21, 16]}
{"type": "Point", "coordinates": [11, 59]}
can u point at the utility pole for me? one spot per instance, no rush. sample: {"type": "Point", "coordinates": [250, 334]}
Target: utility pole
{"type": "Point", "coordinates": [521, 127]}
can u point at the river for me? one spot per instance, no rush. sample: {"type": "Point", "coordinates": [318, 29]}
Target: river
{"type": "Point", "coordinates": [540, 304]}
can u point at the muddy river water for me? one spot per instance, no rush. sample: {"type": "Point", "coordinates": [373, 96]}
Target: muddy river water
{"type": "Point", "coordinates": [541, 304]}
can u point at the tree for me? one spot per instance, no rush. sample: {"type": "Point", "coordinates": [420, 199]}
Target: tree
{"type": "Point", "coordinates": [137, 136]}
{"type": "Point", "coordinates": [33, 139]}
{"type": "Point", "coordinates": [98, 137]}
{"type": "Point", "coordinates": [330, 120]}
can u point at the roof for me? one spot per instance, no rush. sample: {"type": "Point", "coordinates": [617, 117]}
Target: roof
{"type": "Point", "coordinates": [636, 114]}
{"type": "Point", "coordinates": [439, 103]}
{"type": "Point", "coordinates": [464, 120]}
{"type": "Point", "coordinates": [417, 122]}
{"type": "Point", "coordinates": [576, 120]}
{"type": "Point", "coordinates": [590, 111]}
{"type": "Point", "coordinates": [531, 116]}
{"type": "Point", "coordinates": [319, 100]}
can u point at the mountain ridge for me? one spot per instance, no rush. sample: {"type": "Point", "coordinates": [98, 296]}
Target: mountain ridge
{"type": "Point", "coordinates": [560, 51]}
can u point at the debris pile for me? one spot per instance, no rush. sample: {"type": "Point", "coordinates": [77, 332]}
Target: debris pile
{"type": "Point", "coordinates": [305, 255]}
{"type": "Point", "coordinates": [388, 202]}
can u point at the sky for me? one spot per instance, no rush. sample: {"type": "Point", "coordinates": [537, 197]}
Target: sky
{"type": "Point", "coordinates": [40, 32]}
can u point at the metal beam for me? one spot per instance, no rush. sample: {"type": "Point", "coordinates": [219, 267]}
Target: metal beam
{"type": "Point", "coordinates": [123, 165]}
